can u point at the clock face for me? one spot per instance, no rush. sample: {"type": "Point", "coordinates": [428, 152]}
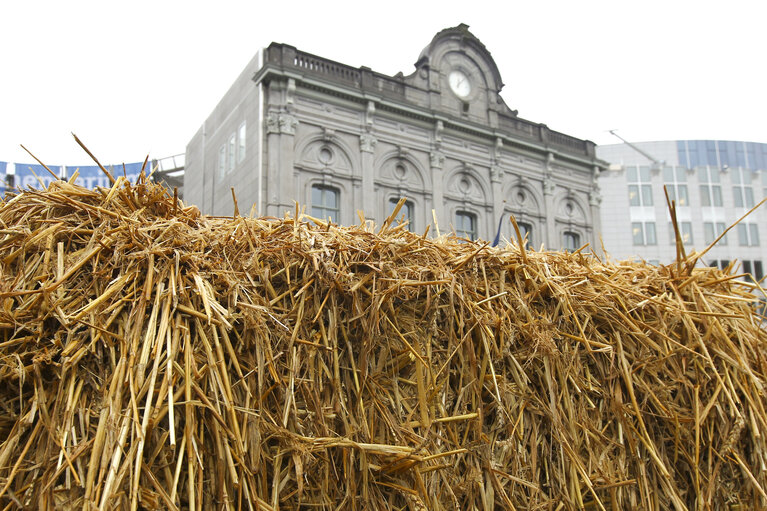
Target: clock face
{"type": "Point", "coordinates": [460, 83]}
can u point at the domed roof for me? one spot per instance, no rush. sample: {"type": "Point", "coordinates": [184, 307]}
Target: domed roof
{"type": "Point", "coordinates": [463, 36]}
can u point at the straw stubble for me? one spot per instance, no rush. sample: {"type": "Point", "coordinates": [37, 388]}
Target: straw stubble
{"type": "Point", "coordinates": [154, 358]}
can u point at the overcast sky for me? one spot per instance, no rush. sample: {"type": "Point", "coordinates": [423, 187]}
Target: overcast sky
{"type": "Point", "coordinates": [138, 78]}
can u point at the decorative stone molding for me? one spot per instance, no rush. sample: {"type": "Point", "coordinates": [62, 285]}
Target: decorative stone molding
{"type": "Point", "coordinates": [367, 142]}
{"type": "Point", "coordinates": [495, 173]}
{"type": "Point", "coordinates": [370, 114]}
{"type": "Point", "coordinates": [497, 148]}
{"type": "Point", "coordinates": [437, 159]}
{"type": "Point", "coordinates": [328, 134]}
{"type": "Point", "coordinates": [595, 199]}
{"type": "Point", "coordinates": [438, 129]}
{"type": "Point", "coordinates": [288, 124]}
{"type": "Point", "coordinates": [290, 91]}
{"type": "Point", "coordinates": [272, 123]}
{"type": "Point", "coordinates": [548, 186]}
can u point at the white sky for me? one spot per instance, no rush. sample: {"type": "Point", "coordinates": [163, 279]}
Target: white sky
{"type": "Point", "coordinates": [138, 78]}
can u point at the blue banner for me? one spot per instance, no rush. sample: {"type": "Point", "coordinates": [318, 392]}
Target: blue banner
{"type": "Point", "coordinates": [26, 172]}
{"type": "Point", "coordinates": [3, 169]}
{"type": "Point", "coordinates": [91, 176]}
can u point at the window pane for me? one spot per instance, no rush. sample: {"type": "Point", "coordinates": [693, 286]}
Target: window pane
{"type": "Point", "coordinates": [703, 174]}
{"type": "Point", "coordinates": [735, 177]}
{"type": "Point", "coordinates": [636, 233]}
{"type": "Point", "coordinates": [758, 271]}
{"type": "Point", "coordinates": [742, 235]}
{"type": "Point", "coordinates": [221, 160]}
{"type": "Point", "coordinates": [737, 196]}
{"type": "Point", "coordinates": [465, 225]}
{"type": "Point", "coordinates": [705, 196]}
{"type": "Point", "coordinates": [746, 176]}
{"type": "Point", "coordinates": [231, 155]}
{"type": "Point", "coordinates": [708, 233]}
{"type": "Point", "coordinates": [241, 146]}
{"type": "Point", "coordinates": [405, 212]}
{"type": "Point", "coordinates": [746, 266]}
{"type": "Point", "coordinates": [644, 174]}
{"type": "Point", "coordinates": [720, 227]}
{"type": "Point", "coordinates": [717, 193]}
{"type": "Point", "coordinates": [682, 192]}
{"type": "Point", "coordinates": [633, 195]}
{"type": "Point", "coordinates": [631, 174]}
{"type": "Point", "coordinates": [646, 195]}
{"type": "Point", "coordinates": [572, 241]}
{"type": "Point", "coordinates": [526, 230]}
{"type": "Point", "coordinates": [668, 174]}
{"type": "Point", "coordinates": [324, 202]}
{"type": "Point", "coordinates": [650, 237]}
{"type": "Point", "coordinates": [749, 197]}
{"type": "Point", "coordinates": [671, 191]}
{"type": "Point", "coordinates": [681, 174]}
{"type": "Point", "coordinates": [686, 233]}
{"type": "Point", "coordinates": [754, 234]}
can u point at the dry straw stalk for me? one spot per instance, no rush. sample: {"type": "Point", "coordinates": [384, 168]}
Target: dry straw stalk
{"type": "Point", "coordinates": [154, 358]}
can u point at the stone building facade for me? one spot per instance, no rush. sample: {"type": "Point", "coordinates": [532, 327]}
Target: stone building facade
{"type": "Point", "coordinates": [340, 140]}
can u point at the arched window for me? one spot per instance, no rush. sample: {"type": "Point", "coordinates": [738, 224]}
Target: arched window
{"type": "Point", "coordinates": [525, 229]}
{"type": "Point", "coordinates": [405, 213]}
{"type": "Point", "coordinates": [571, 241]}
{"type": "Point", "coordinates": [466, 225]}
{"type": "Point", "coordinates": [325, 202]}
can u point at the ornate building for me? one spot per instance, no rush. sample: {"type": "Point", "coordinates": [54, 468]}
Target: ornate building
{"type": "Point", "coordinates": [340, 139]}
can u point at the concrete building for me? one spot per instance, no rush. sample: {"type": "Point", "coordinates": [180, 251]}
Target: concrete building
{"type": "Point", "coordinates": [713, 182]}
{"type": "Point", "coordinates": [340, 139]}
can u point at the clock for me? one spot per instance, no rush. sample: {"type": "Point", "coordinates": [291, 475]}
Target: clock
{"type": "Point", "coordinates": [459, 83]}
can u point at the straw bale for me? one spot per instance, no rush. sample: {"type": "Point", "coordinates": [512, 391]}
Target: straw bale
{"type": "Point", "coordinates": [155, 358]}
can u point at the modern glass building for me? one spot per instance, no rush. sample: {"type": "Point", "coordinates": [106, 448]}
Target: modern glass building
{"type": "Point", "coordinates": [712, 183]}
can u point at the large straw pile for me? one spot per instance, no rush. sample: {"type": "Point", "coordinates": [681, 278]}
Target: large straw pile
{"type": "Point", "coordinates": [154, 358]}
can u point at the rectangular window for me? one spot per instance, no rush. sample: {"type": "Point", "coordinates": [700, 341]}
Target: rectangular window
{"type": "Point", "coordinates": [710, 193]}
{"type": "Point", "coordinates": [405, 212]}
{"type": "Point", "coordinates": [526, 230]}
{"type": "Point", "coordinates": [643, 233]}
{"type": "Point", "coordinates": [708, 233]}
{"type": "Point", "coordinates": [241, 143]}
{"type": "Point", "coordinates": [640, 187]}
{"type": "Point", "coordinates": [720, 228]}
{"type": "Point", "coordinates": [675, 179]}
{"type": "Point", "coordinates": [758, 271]}
{"type": "Point", "coordinates": [325, 203]}
{"type": "Point", "coordinates": [742, 193]}
{"type": "Point", "coordinates": [748, 234]}
{"type": "Point", "coordinates": [571, 241]}
{"type": "Point", "coordinates": [221, 161]}
{"type": "Point", "coordinates": [712, 230]}
{"type": "Point", "coordinates": [231, 154]}
{"type": "Point", "coordinates": [685, 231]}
{"type": "Point", "coordinates": [466, 225]}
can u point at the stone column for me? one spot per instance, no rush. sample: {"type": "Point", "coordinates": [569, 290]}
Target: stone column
{"type": "Point", "coordinates": [370, 204]}
{"type": "Point", "coordinates": [496, 181]}
{"type": "Point", "coordinates": [550, 212]}
{"type": "Point", "coordinates": [281, 129]}
{"type": "Point", "coordinates": [436, 161]}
